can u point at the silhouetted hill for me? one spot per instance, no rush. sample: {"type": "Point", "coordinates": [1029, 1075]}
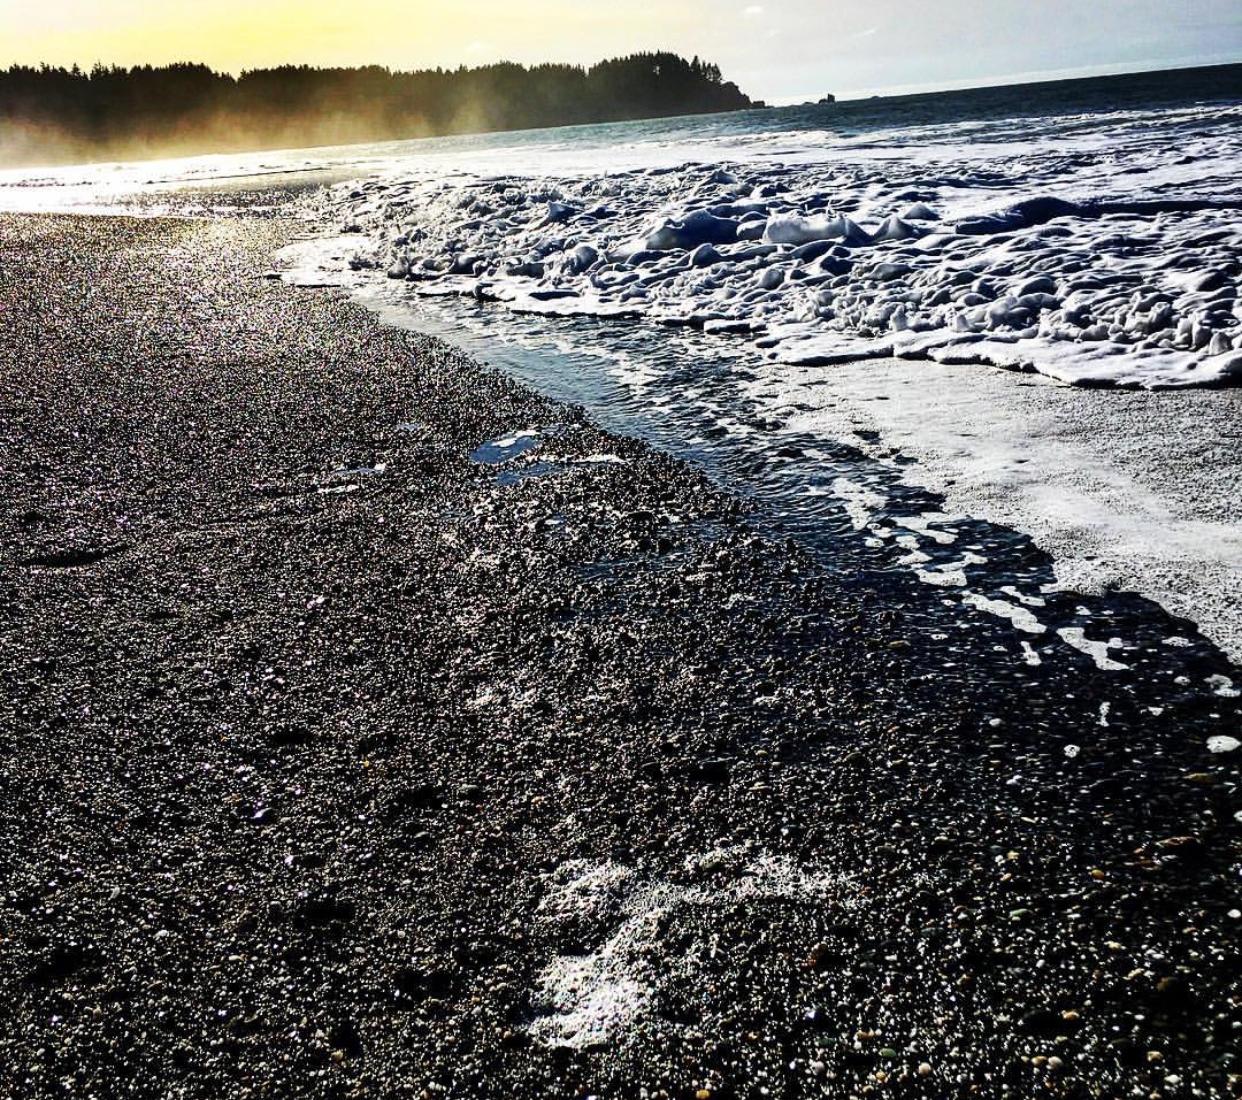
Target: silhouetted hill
{"type": "Point", "coordinates": [54, 114]}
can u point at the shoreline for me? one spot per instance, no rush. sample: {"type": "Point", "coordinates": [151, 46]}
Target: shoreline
{"type": "Point", "coordinates": [363, 745]}
{"type": "Point", "coordinates": [1126, 490]}
{"type": "Point", "coordinates": [1103, 481]}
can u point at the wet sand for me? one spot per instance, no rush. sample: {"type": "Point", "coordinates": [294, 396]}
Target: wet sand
{"type": "Point", "coordinates": [340, 764]}
{"type": "Point", "coordinates": [1127, 490]}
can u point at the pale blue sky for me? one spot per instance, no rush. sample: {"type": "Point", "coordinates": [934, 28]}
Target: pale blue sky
{"type": "Point", "coordinates": [775, 49]}
{"type": "Point", "coordinates": [791, 48]}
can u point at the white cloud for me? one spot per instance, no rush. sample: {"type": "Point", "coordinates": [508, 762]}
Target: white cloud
{"type": "Point", "coordinates": [753, 11]}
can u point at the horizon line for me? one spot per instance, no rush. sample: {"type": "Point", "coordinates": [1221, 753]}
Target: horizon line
{"type": "Point", "coordinates": [1001, 80]}
{"type": "Point", "coordinates": [1027, 76]}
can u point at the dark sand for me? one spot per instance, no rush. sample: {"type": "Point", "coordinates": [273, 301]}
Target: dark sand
{"type": "Point", "coordinates": [336, 784]}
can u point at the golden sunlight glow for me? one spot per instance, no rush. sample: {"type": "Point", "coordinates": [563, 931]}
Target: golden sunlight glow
{"type": "Point", "coordinates": [774, 49]}
{"type": "Point", "coordinates": [237, 34]}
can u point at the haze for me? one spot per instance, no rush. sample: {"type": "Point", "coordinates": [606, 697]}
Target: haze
{"type": "Point", "coordinates": [780, 50]}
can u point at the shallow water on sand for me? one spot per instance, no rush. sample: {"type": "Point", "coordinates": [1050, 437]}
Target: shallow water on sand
{"type": "Point", "coordinates": [981, 596]}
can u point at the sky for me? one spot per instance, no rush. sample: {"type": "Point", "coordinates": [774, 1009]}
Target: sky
{"type": "Point", "coordinates": [779, 50]}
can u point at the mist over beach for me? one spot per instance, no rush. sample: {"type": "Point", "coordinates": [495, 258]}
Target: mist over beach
{"type": "Point", "coordinates": [619, 550]}
{"type": "Point", "coordinates": [115, 113]}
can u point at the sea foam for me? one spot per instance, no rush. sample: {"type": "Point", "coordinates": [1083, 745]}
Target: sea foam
{"type": "Point", "coordinates": [1099, 250]}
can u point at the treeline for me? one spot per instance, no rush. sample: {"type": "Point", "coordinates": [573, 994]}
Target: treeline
{"type": "Point", "coordinates": [54, 114]}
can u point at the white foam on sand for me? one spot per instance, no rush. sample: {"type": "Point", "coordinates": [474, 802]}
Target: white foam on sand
{"type": "Point", "coordinates": [588, 999]}
{"type": "Point", "coordinates": [1128, 491]}
{"type": "Point", "coordinates": [597, 998]}
{"type": "Point", "coordinates": [1021, 617]}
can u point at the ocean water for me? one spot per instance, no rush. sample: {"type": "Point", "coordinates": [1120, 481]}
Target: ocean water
{"type": "Point", "coordinates": [735, 289]}
{"type": "Point", "coordinates": [212, 183]}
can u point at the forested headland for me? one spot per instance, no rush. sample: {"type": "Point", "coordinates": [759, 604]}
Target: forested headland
{"type": "Point", "coordinates": [52, 114]}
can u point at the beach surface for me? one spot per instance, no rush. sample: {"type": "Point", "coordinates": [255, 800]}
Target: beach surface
{"type": "Point", "coordinates": [1126, 490]}
{"type": "Point", "coordinates": [378, 727]}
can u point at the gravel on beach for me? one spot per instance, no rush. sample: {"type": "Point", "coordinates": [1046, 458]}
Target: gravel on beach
{"type": "Point", "coordinates": [346, 756]}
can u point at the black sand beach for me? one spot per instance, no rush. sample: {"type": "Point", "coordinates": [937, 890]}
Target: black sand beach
{"type": "Point", "coordinates": [337, 764]}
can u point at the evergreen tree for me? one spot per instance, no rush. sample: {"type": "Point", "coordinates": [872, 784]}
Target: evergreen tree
{"type": "Point", "coordinates": [49, 113]}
